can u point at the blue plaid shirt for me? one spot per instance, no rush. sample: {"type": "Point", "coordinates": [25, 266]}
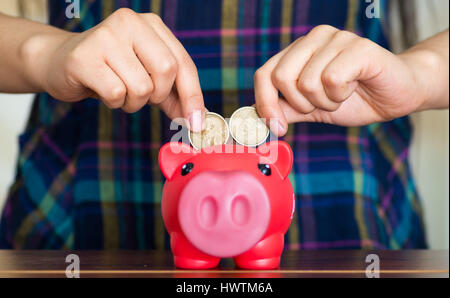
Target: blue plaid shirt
{"type": "Point", "coordinates": [88, 177]}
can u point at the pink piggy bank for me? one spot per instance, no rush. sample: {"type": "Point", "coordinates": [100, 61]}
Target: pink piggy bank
{"type": "Point", "coordinates": [231, 201]}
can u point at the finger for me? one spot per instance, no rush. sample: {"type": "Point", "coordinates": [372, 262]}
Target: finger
{"type": "Point", "coordinates": [293, 116]}
{"type": "Point", "coordinates": [284, 77]}
{"type": "Point", "coordinates": [286, 74]}
{"type": "Point", "coordinates": [171, 106]}
{"type": "Point", "coordinates": [159, 61]}
{"type": "Point", "coordinates": [187, 81]}
{"type": "Point", "coordinates": [138, 83]}
{"type": "Point", "coordinates": [310, 82]}
{"type": "Point", "coordinates": [353, 112]}
{"type": "Point", "coordinates": [356, 63]}
{"type": "Point", "coordinates": [106, 85]}
{"type": "Point", "coordinates": [266, 97]}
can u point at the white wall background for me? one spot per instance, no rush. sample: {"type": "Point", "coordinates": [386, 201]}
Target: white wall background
{"type": "Point", "coordinates": [430, 150]}
{"type": "Point", "coordinates": [14, 110]}
{"type": "Point", "coordinates": [429, 153]}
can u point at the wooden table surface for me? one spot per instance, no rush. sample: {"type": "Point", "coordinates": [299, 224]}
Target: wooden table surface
{"type": "Point", "coordinates": [295, 264]}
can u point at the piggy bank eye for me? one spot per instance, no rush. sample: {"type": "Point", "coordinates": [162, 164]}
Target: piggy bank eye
{"type": "Point", "coordinates": [186, 168]}
{"type": "Point", "coordinates": [265, 169]}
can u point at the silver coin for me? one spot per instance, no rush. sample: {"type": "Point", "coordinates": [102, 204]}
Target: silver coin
{"type": "Point", "coordinates": [216, 132]}
{"type": "Point", "coordinates": [247, 128]}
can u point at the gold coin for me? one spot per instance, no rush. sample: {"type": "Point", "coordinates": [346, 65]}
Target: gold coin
{"type": "Point", "coordinates": [247, 128]}
{"type": "Point", "coordinates": [216, 132]}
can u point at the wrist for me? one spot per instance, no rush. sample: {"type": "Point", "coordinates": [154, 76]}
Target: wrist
{"type": "Point", "coordinates": [37, 53]}
{"type": "Point", "coordinates": [426, 66]}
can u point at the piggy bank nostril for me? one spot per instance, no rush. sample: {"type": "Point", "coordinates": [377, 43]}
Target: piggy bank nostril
{"type": "Point", "coordinates": [208, 212]}
{"type": "Point", "coordinates": [240, 210]}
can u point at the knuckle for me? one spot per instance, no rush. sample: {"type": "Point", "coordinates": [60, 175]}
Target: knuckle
{"type": "Point", "coordinates": [154, 18]}
{"type": "Point", "coordinates": [154, 100]}
{"type": "Point", "coordinates": [159, 95]}
{"type": "Point", "coordinates": [323, 29]}
{"type": "Point", "coordinates": [278, 77]}
{"type": "Point", "coordinates": [133, 105]}
{"type": "Point", "coordinates": [188, 64]}
{"type": "Point", "coordinates": [330, 106]}
{"type": "Point", "coordinates": [118, 94]}
{"type": "Point", "coordinates": [364, 44]}
{"type": "Point", "coordinates": [113, 104]}
{"type": "Point", "coordinates": [301, 105]}
{"type": "Point", "coordinates": [306, 109]}
{"type": "Point", "coordinates": [103, 34]}
{"type": "Point", "coordinates": [332, 79]}
{"type": "Point", "coordinates": [325, 104]}
{"type": "Point", "coordinates": [193, 98]}
{"type": "Point", "coordinates": [123, 15]}
{"type": "Point", "coordinates": [309, 109]}
{"type": "Point", "coordinates": [260, 74]}
{"type": "Point", "coordinates": [344, 34]}
{"type": "Point", "coordinates": [123, 12]}
{"type": "Point", "coordinates": [168, 66]}
{"type": "Point", "coordinates": [143, 90]}
{"type": "Point", "coordinates": [308, 85]}
{"type": "Point", "coordinates": [131, 108]}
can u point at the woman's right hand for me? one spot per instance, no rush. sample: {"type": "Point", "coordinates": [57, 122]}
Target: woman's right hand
{"type": "Point", "coordinates": [127, 61]}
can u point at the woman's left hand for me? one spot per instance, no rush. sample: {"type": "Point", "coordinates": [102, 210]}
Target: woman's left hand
{"type": "Point", "coordinates": [337, 77]}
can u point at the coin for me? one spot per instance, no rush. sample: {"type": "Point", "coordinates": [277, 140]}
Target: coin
{"type": "Point", "coordinates": [247, 128]}
{"type": "Point", "coordinates": [216, 132]}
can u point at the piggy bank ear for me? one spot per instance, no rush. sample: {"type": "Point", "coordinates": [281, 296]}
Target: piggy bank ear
{"type": "Point", "coordinates": [279, 154]}
{"type": "Point", "coordinates": [172, 155]}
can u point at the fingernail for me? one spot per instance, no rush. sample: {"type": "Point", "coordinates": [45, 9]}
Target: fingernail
{"type": "Point", "coordinates": [203, 121]}
{"type": "Point", "coordinates": [277, 126]}
{"type": "Point", "coordinates": [195, 121]}
{"type": "Point", "coordinates": [281, 128]}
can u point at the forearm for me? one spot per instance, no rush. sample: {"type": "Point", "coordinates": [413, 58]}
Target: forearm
{"type": "Point", "coordinates": [429, 61]}
{"type": "Point", "coordinates": [16, 73]}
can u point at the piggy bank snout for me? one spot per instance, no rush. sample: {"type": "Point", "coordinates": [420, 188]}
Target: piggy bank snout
{"type": "Point", "coordinates": [224, 213]}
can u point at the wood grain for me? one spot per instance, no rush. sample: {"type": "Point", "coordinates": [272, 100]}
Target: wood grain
{"type": "Point", "coordinates": [295, 264]}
